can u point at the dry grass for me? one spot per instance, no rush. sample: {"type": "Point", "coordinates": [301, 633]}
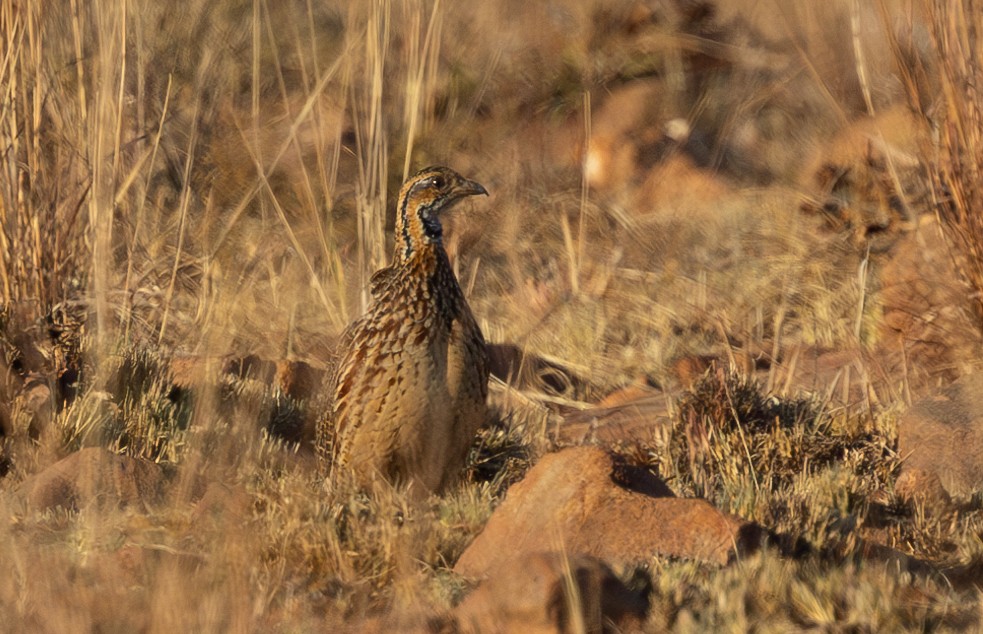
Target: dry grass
{"type": "Point", "coordinates": [215, 181]}
{"type": "Point", "coordinates": [955, 31]}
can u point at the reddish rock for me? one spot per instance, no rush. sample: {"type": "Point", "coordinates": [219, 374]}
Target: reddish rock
{"type": "Point", "coordinates": [38, 403]}
{"type": "Point", "coordinates": [688, 370]}
{"type": "Point", "coordinates": [299, 380]}
{"type": "Point", "coordinates": [222, 504]}
{"type": "Point", "coordinates": [928, 309]}
{"type": "Point", "coordinates": [940, 440]}
{"type": "Point", "coordinates": [639, 413]}
{"type": "Point", "coordinates": [639, 389]}
{"type": "Point", "coordinates": [922, 487]}
{"type": "Point", "coordinates": [583, 500]}
{"type": "Point", "coordinates": [550, 592]}
{"type": "Point", "coordinates": [189, 372]}
{"type": "Point", "coordinates": [639, 410]}
{"type": "Point", "coordinates": [619, 127]}
{"type": "Point", "coordinates": [92, 476]}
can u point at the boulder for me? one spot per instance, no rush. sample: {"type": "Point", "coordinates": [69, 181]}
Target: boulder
{"type": "Point", "coordinates": [635, 412]}
{"type": "Point", "coordinates": [552, 593]}
{"type": "Point", "coordinates": [92, 477]}
{"type": "Point", "coordinates": [928, 309]}
{"type": "Point", "coordinates": [222, 505]}
{"type": "Point", "coordinates": [583, 500]}
{"type": "Point", "coordinates": [940, 440]}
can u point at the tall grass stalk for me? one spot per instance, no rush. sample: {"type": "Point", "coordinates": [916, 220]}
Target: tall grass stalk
{"type": "Point", "coordinates": [422, 64]}
{"type": "Point", "coordinates": [43, 188]}
{"type": "Point", "coordinates": [957, 35]}
{"type": "Point", "coordinates": [103, 129]}
{"type": "Point", "coordinates": [373, 151]}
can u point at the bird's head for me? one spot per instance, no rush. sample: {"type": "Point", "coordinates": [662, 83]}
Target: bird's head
{"type": "Point", "coordinates": [423, 197]}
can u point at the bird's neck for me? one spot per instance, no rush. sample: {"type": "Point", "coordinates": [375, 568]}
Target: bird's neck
{"type": "Point", "coordinates": [425, 257]}
{"type": "Point", "coordinates": [417, 239]}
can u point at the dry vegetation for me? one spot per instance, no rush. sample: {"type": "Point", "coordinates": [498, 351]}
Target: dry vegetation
{"type": "Point", "coordinates": [213, 181]}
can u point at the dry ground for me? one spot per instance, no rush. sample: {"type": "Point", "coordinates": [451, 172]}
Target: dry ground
{"type": "Point", "coordinates": [671, 182]}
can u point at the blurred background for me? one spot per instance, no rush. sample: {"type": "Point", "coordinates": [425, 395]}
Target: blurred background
{"type": "Point", "coordinates": [787, 190]}
{"type": "Point", "coordinates": [664, 175]}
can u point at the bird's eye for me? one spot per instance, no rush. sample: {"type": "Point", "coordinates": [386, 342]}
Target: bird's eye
{"type": "Point", "coordinates": [437, 182]}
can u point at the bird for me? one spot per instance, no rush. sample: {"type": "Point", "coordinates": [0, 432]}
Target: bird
{"type": "Point", "coordinates": [409, 390]}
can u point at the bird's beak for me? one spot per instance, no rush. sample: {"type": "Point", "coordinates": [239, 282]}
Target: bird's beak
{"type": "Point", "coordinates": [469, 188]}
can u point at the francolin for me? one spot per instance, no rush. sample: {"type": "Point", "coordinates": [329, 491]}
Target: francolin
{"type": "Point", "coordinates": [410, 385]}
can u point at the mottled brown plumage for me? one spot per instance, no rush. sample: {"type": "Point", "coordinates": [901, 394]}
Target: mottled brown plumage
{"type": "Point", "coordinates": [411, 382]}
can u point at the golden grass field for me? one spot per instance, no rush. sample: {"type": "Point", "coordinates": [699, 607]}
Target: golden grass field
{"type": "Point", "coordinates": [188, 183]}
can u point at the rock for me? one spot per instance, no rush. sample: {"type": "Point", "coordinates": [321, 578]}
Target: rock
{"type": "Point", "coordinates": [678, 186]}
{"type": "Point", "coordinates": [688, 370]}
{"type": "Point", "coordinates": [188, 372]}
{"type": "Point", "coordinates": [585, 501]}
{"type": "Point", "coordinates": [642, 387]}
{"type": "Point", "coordinates": [92, 476]}
{"type": "Point", "coordinates": [38, 403]}
{"type": "Point", "coordinates": [922, 487]}
{"type": "Point", "coordinates": [634, 412]}
{"type": "Point", "coordinates": [549, 592]}
{"type": "Point", "coordinates": [940, 440]}
{"type": "Point", "coordinates": [626, 122]}
{"type": "Point", "coordinates": [299, 380]}
{"type": "Point", "coordinates": [870, 550]}
{"type": "Point", "coordinates": [222, 505]}
{"type": "Point", "coordinates": [927, 307]}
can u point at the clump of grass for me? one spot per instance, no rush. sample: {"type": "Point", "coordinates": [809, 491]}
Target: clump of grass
{"type": "Point", "coordinates": [768, 593]}
{"type": "Point", "coordinates": [44, 187]}
{"type": "Point", "coordinates": [499, 457]}
{"type": "Point", "coordinates": [138, 413]}
{"type": "Point", "coordinates": [783, 462]}
{"type": "Point", "coordinates": [727, 422]}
